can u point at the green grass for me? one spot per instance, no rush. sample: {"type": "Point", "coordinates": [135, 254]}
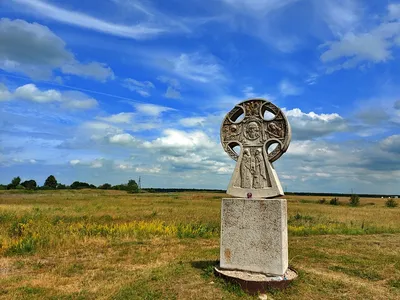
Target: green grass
{"type": "Point", "coordinates": [113, 245]}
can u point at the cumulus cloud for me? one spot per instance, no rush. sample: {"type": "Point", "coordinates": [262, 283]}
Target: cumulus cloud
{"type": "Point", "coordinates": [32, 93]}
{"type": "Point", "coordinates": [143, 88]}
{"type": "Point", "coordinates": [34, 50]}
{"type": "Point", "coordinates": [122, 139]}
{"type": "Point", "coordinates": [151, 109]}
{"type": "Point", "coordinates": [306, 126]}
{"type": "Point", "coordinates": [67, 99]}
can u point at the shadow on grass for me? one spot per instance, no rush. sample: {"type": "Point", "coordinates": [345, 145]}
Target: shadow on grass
{"type": "Point", "coordinates": [206, 266]}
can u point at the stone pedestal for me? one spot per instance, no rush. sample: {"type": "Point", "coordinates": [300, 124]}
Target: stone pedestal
{"type": "Point", "coordinates": [254, 235]}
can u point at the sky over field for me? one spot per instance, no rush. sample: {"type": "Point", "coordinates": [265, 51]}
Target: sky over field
{"type": "Point", "coordinates": [110, 90]}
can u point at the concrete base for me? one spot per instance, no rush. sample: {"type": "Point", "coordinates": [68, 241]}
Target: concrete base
{"type": "Point", "coordinates": [254, 235]}
{"type": "Point", "coordinates": [255, 283]}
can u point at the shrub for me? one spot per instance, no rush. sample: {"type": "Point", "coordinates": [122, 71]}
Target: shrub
{"type": "Point", "coordinates": [29, 184]}
{"type": "Point", "coordinates": [391, 203]}
{"type": "Point", "coordinates": [322, 201]}
{"type": "Point", "coordinates": [354, 200]}
{"type": "Point", "coordinates": [334, 201]}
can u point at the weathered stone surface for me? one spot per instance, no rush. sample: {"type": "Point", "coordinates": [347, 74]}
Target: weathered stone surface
{"type": "Point", "coordinates": [254, 235]}
{"type": "Point", "coordinates": [254, 172]}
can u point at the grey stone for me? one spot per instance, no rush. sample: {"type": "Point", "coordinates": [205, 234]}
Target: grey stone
{"type": "Point", "coordinates": [254, 235]}
{"type": "Point", "coordinates": [254, 172]}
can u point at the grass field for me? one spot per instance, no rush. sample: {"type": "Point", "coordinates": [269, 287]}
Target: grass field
{"type": "Point", "coordinates": [93, 244]}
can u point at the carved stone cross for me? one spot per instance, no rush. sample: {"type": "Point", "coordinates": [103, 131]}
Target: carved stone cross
{"type": "Point", "coordinates": [246, 127]}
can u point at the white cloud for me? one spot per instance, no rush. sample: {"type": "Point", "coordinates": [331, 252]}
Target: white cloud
{"type": "Point", "coordinates": [197, 67]}
{"type": "Point", "coordinates": [75, 162]}
{"type": "Point", "coordinates": [394, 11]}
{"type": "Point", "coordinates": [32, 93]}
{"type": "Point", "coordinates": [151, 109]}
{"type": "Point", "coordinates": [357, 47]}
{"type": "Point", "coordinates": [258, 6]}
{"type": "Point", "coordinates": [172, 93]}
{"type": "Point", "coordinates": [306, 126]}
{"type": "Point", "coordinates": [122, 139]}
{"type": "Point", "coordinates": [95, 70]}
{"type": "Point", "coordinates": [192, 121]}
{"type": "Point", "coordinates": [5, 94]}
{"type": "Point", "coordinates": [341, 16]}
{"type": "Point", "coordinates": [287, 88]}
{"type": "Point", "coordinates": [148, 169]}
{"type": "Point", "coordinates": [118, 118]}
{"type": "Point", "coordinates": [173, 89]}
{"type": "Point", "coordinates": [168, 80]}
{"type": "Point", "coordinates": [141, 87]}
{"type": "Point", "coordinates": [391, 144]}
{"type": "Point", "coordinates": [34, 50]}
{"type": "Point", "coordinates": [138, 31]}
{"type": "Point", "coordinates": [67, 99]}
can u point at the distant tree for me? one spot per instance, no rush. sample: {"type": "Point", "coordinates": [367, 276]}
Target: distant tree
{"type": "Point", "coordinates": [3, 187]}
{"type": "Point", "coordinates": [132, 186]}
{"type": "Point", "coordinates": [92, 186]}
{"type": "Point", "coordinates": [51, 182]}
{"type": "Point", "coordinates": [105, 186]}
{"type": "Point", "coordinates": [354, 200]}
{"type": "Point", "coordinates": [29, 184]}
{"type": "Point", "coordinates": [14, 183]}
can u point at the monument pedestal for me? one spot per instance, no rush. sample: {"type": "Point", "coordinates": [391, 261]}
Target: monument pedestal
{"type": "Point", "coordinates": [254, 235]}
{"type": "Point", "coordinates": [254, 243]}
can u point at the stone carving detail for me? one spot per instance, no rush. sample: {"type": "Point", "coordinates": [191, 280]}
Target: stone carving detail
{"type": "Point", "coordinates": [245, 126]}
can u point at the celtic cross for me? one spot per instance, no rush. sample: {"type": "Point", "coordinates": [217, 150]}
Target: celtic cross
{"type": "Point", "coordinates": [246, 127]}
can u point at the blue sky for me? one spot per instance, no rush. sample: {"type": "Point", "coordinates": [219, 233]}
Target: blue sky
{"type": "Point", "coordinates": [128, 88]}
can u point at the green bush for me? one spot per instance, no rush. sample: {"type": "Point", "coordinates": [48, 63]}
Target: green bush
{"type": "Point", "coordinates": [391, 203]}
{"type": "Point", "coordinates": [334, 201]}
{"type": "Point", "coordinates": [354, 200]}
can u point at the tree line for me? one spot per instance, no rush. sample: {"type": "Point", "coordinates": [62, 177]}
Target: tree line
{"type": "Point", "coordinates": [51, 183]}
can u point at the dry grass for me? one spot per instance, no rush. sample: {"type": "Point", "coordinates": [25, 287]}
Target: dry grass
{"type": "Point", "coordinates": [112, 245]}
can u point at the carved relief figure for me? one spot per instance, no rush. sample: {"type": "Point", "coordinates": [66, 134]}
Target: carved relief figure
{"type": "Point", "coordinates": [274, 130]}
{"type": "Point", "coordinates": [245, 170]}
{"type": "Point", "coordinates": [260, 172]}
{"type": "Point", "coordinates": [252, 131]}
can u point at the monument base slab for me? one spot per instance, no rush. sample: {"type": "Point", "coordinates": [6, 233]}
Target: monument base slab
{"type": "Point", "coordinates": [254, 236]}
{"type": "Point", "coordinates": [255, 283]}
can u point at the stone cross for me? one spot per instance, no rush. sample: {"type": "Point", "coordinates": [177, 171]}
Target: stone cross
{"type": "Point", "coordinates": [253, 228]}
{"type": "Point", "coordinates": [246, 127]}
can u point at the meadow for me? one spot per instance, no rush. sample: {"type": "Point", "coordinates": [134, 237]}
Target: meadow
{"type": "Point", "coordinates": [100, 244]}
